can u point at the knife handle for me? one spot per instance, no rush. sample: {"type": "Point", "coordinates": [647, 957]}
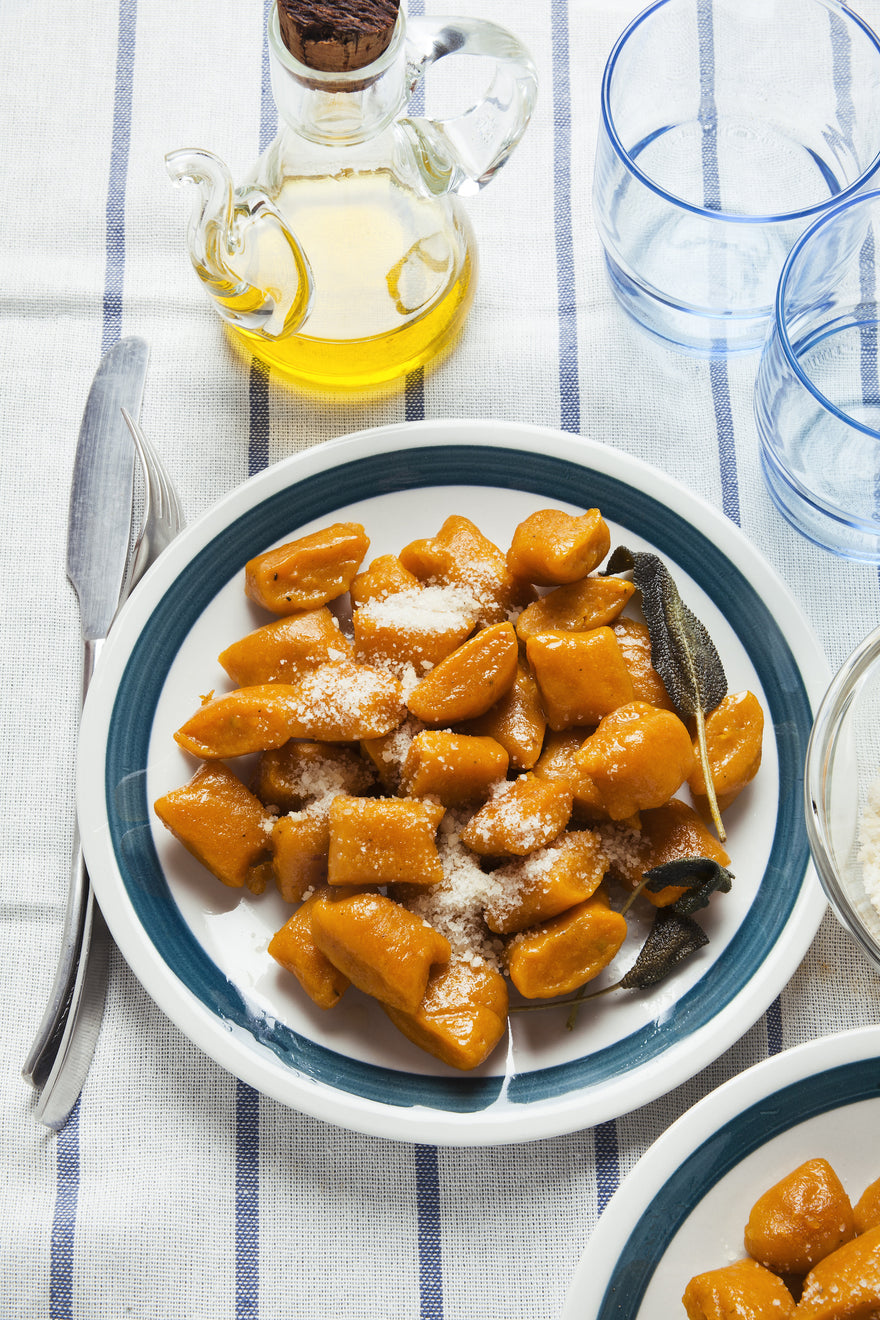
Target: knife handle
{"type": "Point", "coordinates": [38, 1063]}
{"type": "Point", "coordinates": [41, 1055]}
{"type": "Point", "coordinates": [83, 1022]}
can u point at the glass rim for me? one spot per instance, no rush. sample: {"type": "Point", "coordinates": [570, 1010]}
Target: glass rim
{"type": "Point", "coordinates": [728, 217]}
{"type": "Point", "coordinates": [780, 328]}
{"type": "Point", "coordinates": [826, 725]}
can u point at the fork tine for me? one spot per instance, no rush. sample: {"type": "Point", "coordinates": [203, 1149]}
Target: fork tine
{"type": "Point", "coordinates": [163, 516]}
{"type": "Point", "coordinates": [149, 461]}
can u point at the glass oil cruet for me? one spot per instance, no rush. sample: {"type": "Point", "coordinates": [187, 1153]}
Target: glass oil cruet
{"type": "Point", "coordinates": [346, 259]}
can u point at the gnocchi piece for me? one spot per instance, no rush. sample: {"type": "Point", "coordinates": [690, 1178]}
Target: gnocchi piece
{"type": "Point", "coordinates": [545, 882]}
{"type": "Point", "coordinates": [558, 760]}
{"type": "Point", "coordinates": [462, 1016]}
{"type": "Point", "coordinates": [382, 948]}
{"type": "Point", "coordinates": [744, 1289]}
{"type": "Point", "coordinates": [455, 768]}
{"type": "Point", "coordinates": [347, 702]}
{"type": "Point", "coordinates": [340, 702]}
{"type": "Point", "coordinates": [307, 573]}
{"type": "Point", "coordinates": [566, 952]}
{"type": "Point", "coordinates": [460, 555]}
{"type": "Point", "coordinates": [638, 757]}
{"type": "Point", "coordinates": [468, 681]}
{"type": "Point", "coordinates": [302, 772]}
{"type": "Point", "coordinates": [516, 721]}
{"type": "Point", "coordinates": [844, 1285]}
{"type": "Point", "coordinates": [525, 814]}
{"type": "Point", "coordinates": [222, 824]}
{"type": "Point", "coordinates": [634, 641]}
{"type": "Point", "coordinates": [294, 947]}
{"type": "Point", "coordinates": [666, 833]}
{"type": "Point", "coordinates": [284, 650]}
{"type": "Point", "coordinates": [594, 602]}
{"type": "Point", "coordinates": [734, 738]}
{"type": "Point", "coordinates": [800, 1220]}
{"type": "Point", "coordinates": [252, 719]}
{"type": "Point", "coordinates": [383, 841]}
{"type": "Point", "coordinates": [418, 627]}
{"type": "Point", "coordinates": [866, 1211]}
{"type": "Point", "coordinates": [387, 755]}
{"type": "Point", "coordinates": [581, 676]}
{"type": "Point", "coordinates": [300, 845]}
{"type": "Point", "coordinates": [551, 546]}
{"type": "Point", "coordinates": [384, 577]}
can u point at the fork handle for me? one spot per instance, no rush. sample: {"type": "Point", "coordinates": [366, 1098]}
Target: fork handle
{"type": "Point", "coordinates": [41, 1055]}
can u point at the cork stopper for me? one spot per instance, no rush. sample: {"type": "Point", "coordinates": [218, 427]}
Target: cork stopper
{"type": "Point", "coordinates": [335, 36]}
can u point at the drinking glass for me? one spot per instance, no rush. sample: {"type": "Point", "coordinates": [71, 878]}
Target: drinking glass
{"type": "Point", "coordinates": [727, 126]}
{"type": "Point", "coordinates": [817, 393]}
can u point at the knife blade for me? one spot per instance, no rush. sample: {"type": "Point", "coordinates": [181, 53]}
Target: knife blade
{"type": "Point", "coordinates": [98, 540]}
{"type": "Point", "coordinates": [99, 521]}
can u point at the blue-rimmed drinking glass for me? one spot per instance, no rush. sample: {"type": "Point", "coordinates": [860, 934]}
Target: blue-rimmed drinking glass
{"type": "Point", "coordinates": [817, 394]}
{"type": "Point", "coordinates": [727, 127]}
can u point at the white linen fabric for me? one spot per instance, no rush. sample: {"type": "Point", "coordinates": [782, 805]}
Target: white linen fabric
{"type": "Point", "coordinates": [176, 1192]}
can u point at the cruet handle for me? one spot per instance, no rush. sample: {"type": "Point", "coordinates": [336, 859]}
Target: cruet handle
{"type": "Point", "coordinates": [227, 232]}
{"type": "Point", "coordinates": [468, 149]}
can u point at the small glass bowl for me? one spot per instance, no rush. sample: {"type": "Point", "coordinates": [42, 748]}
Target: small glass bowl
{"type": "Point", "coordinates": [843, 763]}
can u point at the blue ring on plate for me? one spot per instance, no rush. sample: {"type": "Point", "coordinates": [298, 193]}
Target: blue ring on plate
{"type": "Point", "coordinates": [278, 517]}
{"type": "Point", "coordinates": [682, 1192]}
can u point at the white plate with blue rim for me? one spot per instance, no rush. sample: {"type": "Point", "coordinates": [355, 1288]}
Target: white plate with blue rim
{"type": "Point", "coordinates": [683, 1207]}
{"type": "Point", "coordinates": [199, 949]}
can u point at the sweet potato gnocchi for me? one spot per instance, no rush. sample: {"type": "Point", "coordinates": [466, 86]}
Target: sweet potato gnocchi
{"type": "Point", "coordinates": [811, 1255]}
{"type": "Point", "coordinates": [465, 762]}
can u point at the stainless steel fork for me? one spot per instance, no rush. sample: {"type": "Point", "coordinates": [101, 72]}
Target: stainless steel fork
{"type": "Point", "coordinates": [162, 516]}
{"type": "Point", "coordinates": [63, 1047]}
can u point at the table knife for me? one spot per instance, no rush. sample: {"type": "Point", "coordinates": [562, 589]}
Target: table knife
{"type": "Point", "coordinates": [98, 542]}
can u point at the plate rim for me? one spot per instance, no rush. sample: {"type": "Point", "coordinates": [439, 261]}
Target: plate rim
{"type": "Point", "coordinates": [356, 1112]}
{"type": "Point", "coordinates": [731, 1100]}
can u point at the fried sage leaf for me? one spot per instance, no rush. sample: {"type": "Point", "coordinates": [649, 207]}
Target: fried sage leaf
{"type": "Point", "coordinates": [700, 876]}
{"type": "Point", "coordinates": [672, 938]}
{"type": "Point", "coordinates": [682, 651]}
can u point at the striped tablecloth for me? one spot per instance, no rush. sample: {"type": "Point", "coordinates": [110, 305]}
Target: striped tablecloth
{"type": "Point", "coordinates": [176, 1192]}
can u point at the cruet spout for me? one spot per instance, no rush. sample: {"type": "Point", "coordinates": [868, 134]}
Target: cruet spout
{"type": "Point", "coordinates": [245, 255]}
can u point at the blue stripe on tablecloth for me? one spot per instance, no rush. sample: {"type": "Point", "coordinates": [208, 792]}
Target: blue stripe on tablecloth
{"type": "Point", "coordinates": [268, 110]}
{"type": "Point", "coordinates": [430, 1255]}
{"type": "Point", "coordinates": [719, 380]}
{"type": "Point", "coordinates": [121, 138]}
{"type": "Point", "coordinates": [841, 47]}
{"type": "Point", "coordinates": [258, 389]}
{"type": "Point", "coordinates": [726, 438]}
{"type": "Point", "coordinates": [870, 379]}
{"type": "Point", "coordinates": [569, 382]}
{"type": "Point", "coordinates": [247, 1100]}
{"type": "Point", "coordinates": [414, 395]}
{"type": "Point", "coordinates": [247, 1202]}
{"type": "Point", "coordinates": [607, 1157]}
{"type": "Point", "coordinates": [414, 388]}
{"type": "Point", "coordinates": [64, 1219]}
{"type": "Point", "coordinates": [773, 1019]}
{"type": "Point", "coordinates": [67, 1159]}
{"type": "Point", "coordinates": [258, 417]}
{"type": "Point", "coordinates": [426, 1157]}
{"type": "Point", "coordinates": [867, 315]}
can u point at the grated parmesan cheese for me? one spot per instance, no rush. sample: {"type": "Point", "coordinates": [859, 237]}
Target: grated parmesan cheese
{"type": "Point", "coordinates": [455, 906]}
{"type": "Point", "coordinates": [424, 609]}
{"type": "Point", "coordinates": [869, 844]}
